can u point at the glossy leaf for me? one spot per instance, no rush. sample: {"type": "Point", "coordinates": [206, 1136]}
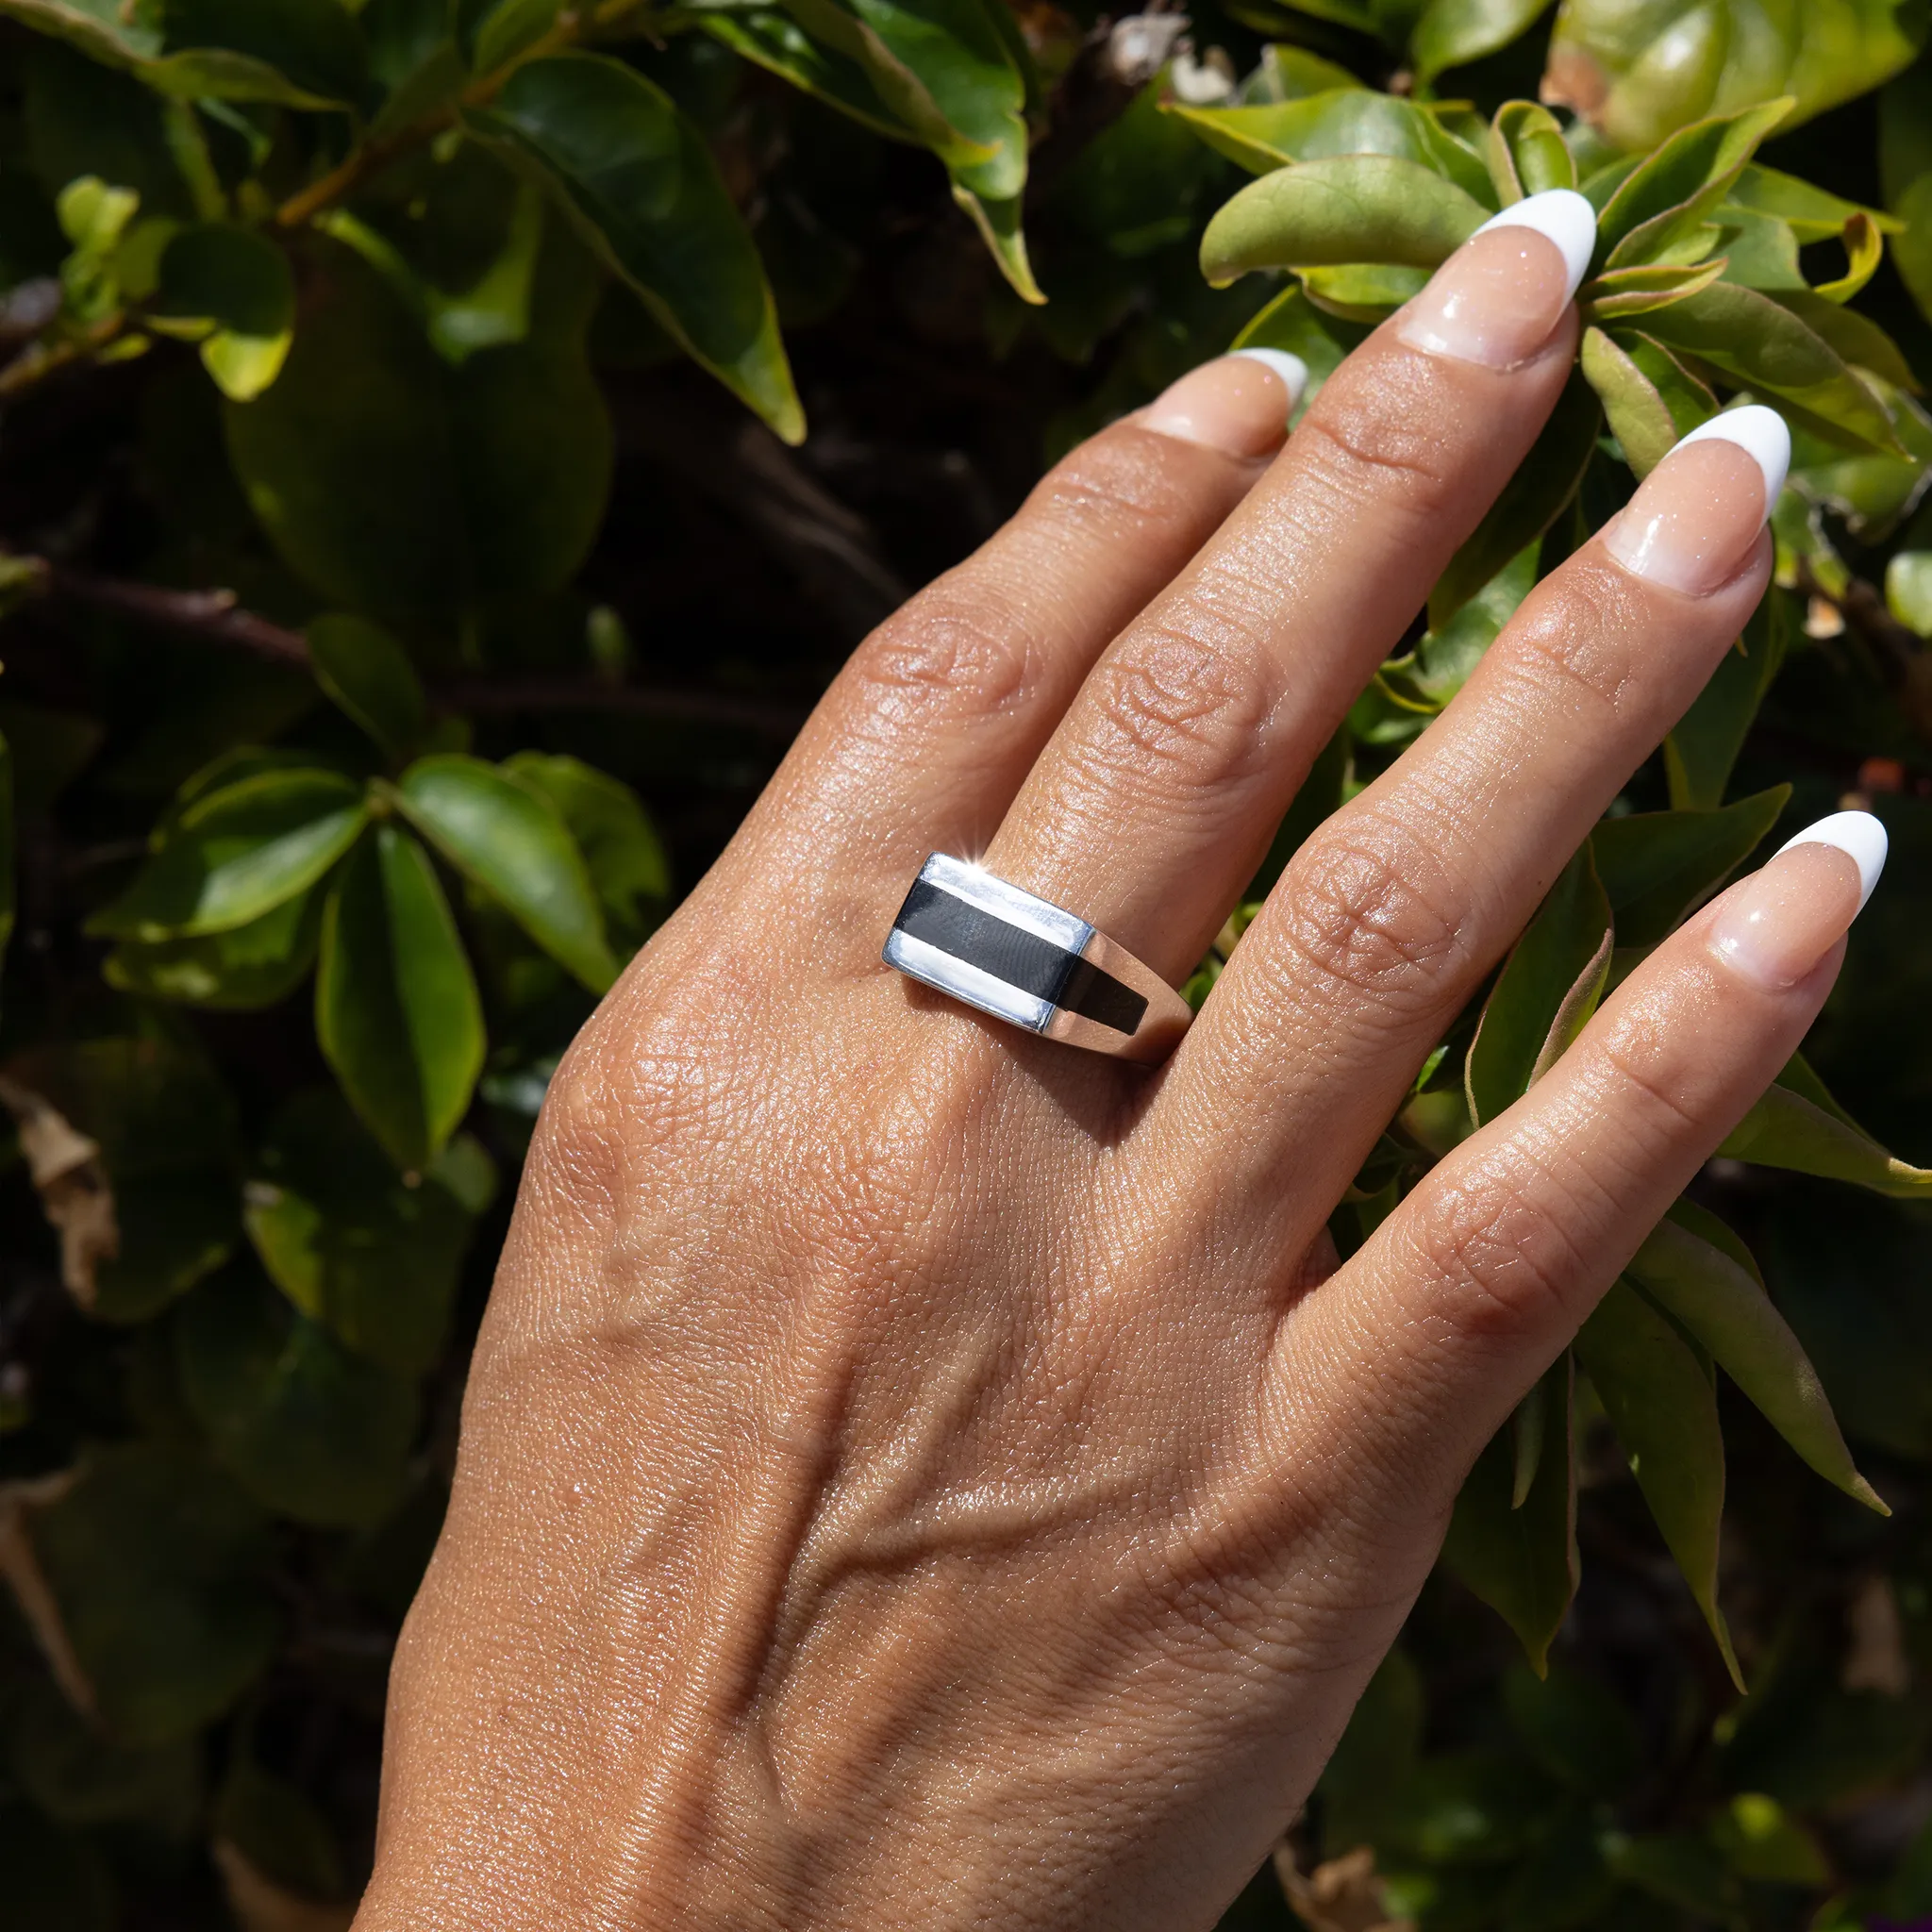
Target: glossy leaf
{"type": "Point", "coordinates": [396, 1010]}
{"type": "Point", "coordinates": [241, 970]}
{"type": "Point", "coordinates": [773, 41]}
{"type": "Point", "coordinates": [641, 184]}
{"type": "Point", "coordinates": [1905, 153]}
{"type": "Point", "coordinates": [511, 839]}
{"type": "Point", "coordinates": [1667, 192]}
{"type": "Point", "coordinates": [1726, 1310]}
{"type": "Point", "coordinates": [1444, 660]}
{"type": "Point", "coordinates": [1619, 294]}
{"type": "Point", "coordinates": [238, 852]}
{"type": "Point", "coordinates": [1530, 502]}
{"type": "Point", "coordinates": [353, 1246]}
{"type": "Point", "coordinates": [157, 1561]}
{"type": "Point", "coordinates": [1856, 338]}
{"type": "Point", "coordinates": [1546, 993]}
{"type": "Point", "coordinates": [1452, 33]}
{"type": "Point", "coordinates": [1763, 346]}
{"type": "Point", "coordinates": [1522, 1562]}
{"type": "Point", "coordinates": [1291, 321]}
{"type": "Point", "coordinates": [1343, 120]}
{"type": "Point", "coordinates": [1664, 1410]}
{"type": "Point", "coordinates": [627, 863]}
{"type": "Point", "coordinates": [1812, 213]}
{"type": "Point", "coordinates": [1908, 589]}
{"type": "Point", "coordinates": [312, 1431]}
{"type": "Point", "coordinates": [1704, 743]}
{"type": "Point", "coordinates": [1797, 1124]}
{"type": "Point", "coordinates": [370, 676]}
{"type": "Point", "coordinates": [1633, 407]}
{"type": "Point", "coordinates": [1657, 867]}
{"type": "Point", "coordinates": [1526, 152]}
{"type": "Point", "coordinates": [495, 34]}
{"type": "Point", "coordinates": [1346, 208]}
{"type": "Point", "coordinates": [397, 485]}
{"type": "Point", "coordinates": [1636, 75]}
{"type": "Point", "coordinates": [232, 291]}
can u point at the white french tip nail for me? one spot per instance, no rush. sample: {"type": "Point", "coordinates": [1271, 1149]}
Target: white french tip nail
{"type": "Point", "coordinates": [1559, 215]}
{"type": "Point", "coordinates": [1292, 371]}
{"type": "Point", "coordinates": [1858, 836]}
{"type": "Point", "coordinates": [1762, 435]}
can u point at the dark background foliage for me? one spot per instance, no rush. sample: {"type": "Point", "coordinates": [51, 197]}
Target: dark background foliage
{"type": "Point", "coordinates": [233, 1328]}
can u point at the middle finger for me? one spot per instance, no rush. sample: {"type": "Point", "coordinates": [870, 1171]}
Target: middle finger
{"type": "Point", "coordinates": [1158, 794]}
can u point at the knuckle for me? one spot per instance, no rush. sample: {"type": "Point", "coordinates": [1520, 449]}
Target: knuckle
{"type": "Point", "coordinates": [958, 646]}
{"type": "Point", "coordinates": [1498, 1255]}
{"type": "Point", "coordinates": [1367, 909]}
{"type": "Point", "coordinates": [1575, 637]}
{"type": "Point", "coordinates": [1122, 481]}
{"type": "Point", "coordinates": [1169, 701]}
{"type": "Point", "coordinates": [1370, 446]}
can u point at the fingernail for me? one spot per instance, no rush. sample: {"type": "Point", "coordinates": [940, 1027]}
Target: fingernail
{"type": "Point", "coordinates": [1238, 404]}
{"type": "Point", "coordinates": [1696, 516]}
{"type": "Point", "coordinates": [1781, 922]}
{"type": "Point", "coordinates": [1497, 298]}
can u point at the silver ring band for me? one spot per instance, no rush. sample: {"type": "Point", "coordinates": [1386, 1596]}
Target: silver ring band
{"type": "Point", "coordinates": [1032, 964]}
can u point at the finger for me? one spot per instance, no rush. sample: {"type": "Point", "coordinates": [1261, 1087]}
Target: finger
{"type": "Point", "coordinates": [926, 733]}
{"type": "Point", "coordinates": [1156, 797]}
{"type": "Point", "coordinates": [1386, 922]}
{"type": "Point", "coordinates": [1420, 1346]}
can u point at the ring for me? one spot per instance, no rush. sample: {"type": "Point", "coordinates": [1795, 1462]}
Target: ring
{"type": "Point", "coordinates": [1032, 964]}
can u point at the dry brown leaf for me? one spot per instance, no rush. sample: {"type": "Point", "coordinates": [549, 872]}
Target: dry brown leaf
{"type": "Point", "coordinates": [1875, 1659]}
{"type": "Point", "coordinates": [259, 1905]}
{"type": "Point", "coordinates": [68, 1175]}
{"type": "Point", "coordinates": [21, 1567]}
{"type": "Point", "coordinates": [1343, 1895]}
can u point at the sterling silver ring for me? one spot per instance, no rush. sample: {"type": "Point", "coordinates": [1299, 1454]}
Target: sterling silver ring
{"type": "Point", "coordinates": [1032, 964]}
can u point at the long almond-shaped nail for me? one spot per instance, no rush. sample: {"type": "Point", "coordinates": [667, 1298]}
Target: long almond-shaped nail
{"type": "Point", "coordinates": [1237, 404]}
{"type": "Point", "coordinates": [1497, 298]}
{"type": "Point", "coordinates": [1776, 925]}
{"type": "Point", "coordinates": [1692, 523]}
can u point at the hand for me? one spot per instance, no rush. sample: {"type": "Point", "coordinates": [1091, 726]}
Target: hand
{"type": "Point", "coordinates": [918, 1474]}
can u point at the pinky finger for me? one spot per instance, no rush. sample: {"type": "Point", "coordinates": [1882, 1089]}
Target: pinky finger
{"type": "Point", "coordinates": [1435, 1330]}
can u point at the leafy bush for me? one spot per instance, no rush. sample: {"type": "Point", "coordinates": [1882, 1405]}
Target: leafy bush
{"type": "Point", "coordinates": [387, 527]}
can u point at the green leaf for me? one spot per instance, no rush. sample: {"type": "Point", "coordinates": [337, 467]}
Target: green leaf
{"type": "Point", "coordinates": [75, 1773]}
{"type": "Point", "coordinates": [352, 1245]}
{"type": "Point", "coordinates": [1908, 589]}
{"type": "Point", "coordinates": [1664, 1409]}
{"type": "Point", "coordinates": [1905, 148]}
{"type": "Point", "coordinates": [370, 679]}
{"type": "Point", "coordinates": [1444, 660]}
{"type": "Point", "coordinates": [498, 31]}
{"type": "Point", "coordinates": [1347, 209]}
{"type": "Point", "coordinates": [1451, 33]}
{"type": "Point", "coordinates": [1725, 1308]}
{"type": "Point", "coordinates": [644, 188]}
{"type": "Point", "coordinates": [281, 1834]}
{"type": "Point", "coordinates": [511, 839]}
{"type": "Point", "coordinates": [313, 45]}
{"type": "Point", "coordinates": [241, 970]}
{"type": "Point", "coordinates": [232, 291]}
{"type": "Point", "coordinates": [1682, 1870]}
{"type": "Point", "coordinates": [776, 42]}
{"type": "Point", "coordinates": [1856, 338]}
{"type": "Point", "coordinates": [1531, 501]}
{"type": "Point", "coordinates": [1635, 409]}
{"type": "Point", "coordinates": [1522, 1561]}
{"type": "Point", "coordinates": [1526, 152]}
{"type": "Point", "coordinates": [1619, 294]}
{"type": "Point", "coordinates": [237, 853]}
{"type": "Point", "coordinates": [312, 1431]}
{"type": "Point", "coordinates": [156, 1561]}
{"type": "Point", "coordinates": [1764, 348]}
{"type": "Point", "coordinates": [1658, 867]}
{"type": "Point", "coordinates": [1759, 1841]}
{"type": "Point", "coordinates": [1638, 73]}
{"type": "Point", "coordinates": [1799, 1126]}
{"type": "Point", "coordinates": [396, 485]}
{"type": "Point", "coordinates": [1546, 993]}
{"type": "Point", "coordinates": [1351, 120]}
{"type": "Point", "coordinates": [396, 1008]}
{"type": "Point", "coordinates": [1376, 1755]}
{"type": "Point", "coordinates": [1704, 747]}
{"type": "Point", "coordinates": [627, 862]}
{"type": "Point", "coordinates": [1675, 189]}
{"type": "Point", "coordinates": [1814, 213]}
{"type": "Point", "coordinates": [945, 70]}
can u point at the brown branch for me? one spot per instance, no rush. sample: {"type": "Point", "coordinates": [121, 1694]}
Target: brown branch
{"type": "Point", "coordinates": [215, 617]}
